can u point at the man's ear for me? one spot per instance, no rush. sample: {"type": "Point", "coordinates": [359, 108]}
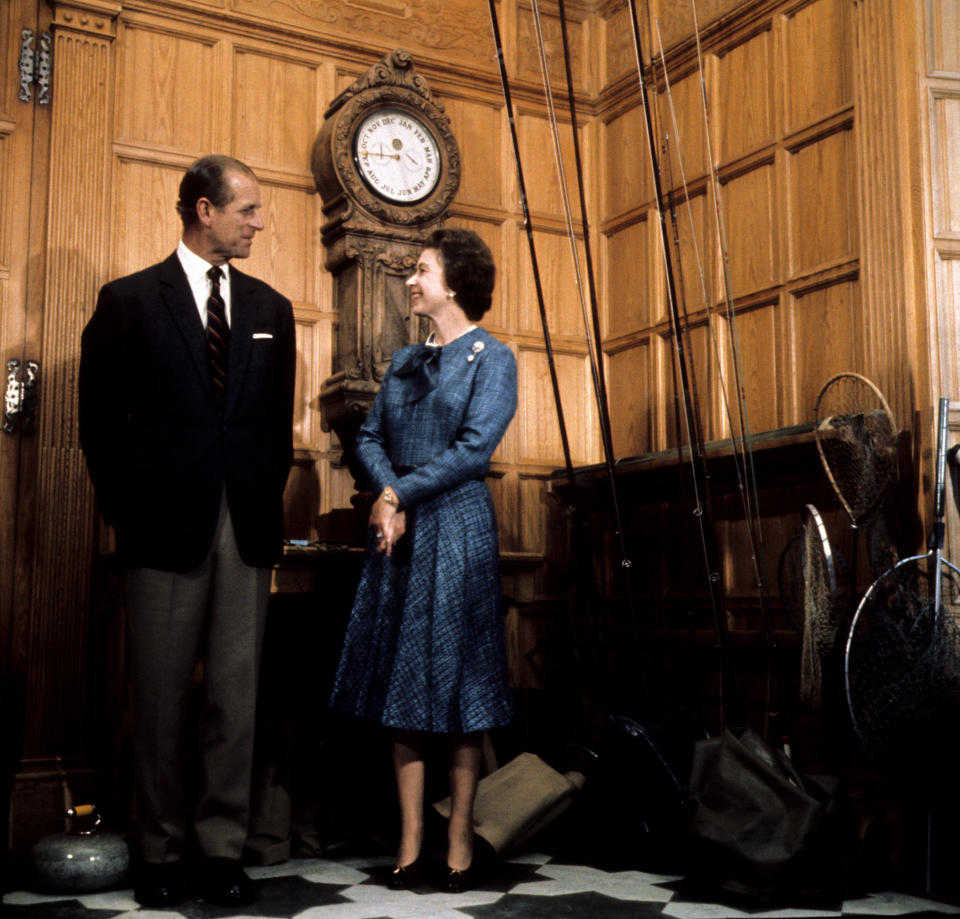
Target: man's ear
{"type": "Point", "coordinates": [204, 208]}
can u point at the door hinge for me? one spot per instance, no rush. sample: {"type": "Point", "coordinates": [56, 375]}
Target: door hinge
{"type": "Point", "coordinates": [20, 398]}
{"type": "Point", "coordinates": [36, 66]}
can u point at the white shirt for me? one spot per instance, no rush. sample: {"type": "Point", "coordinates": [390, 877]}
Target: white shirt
{"type": "Point", "coordinates": [196, 270]}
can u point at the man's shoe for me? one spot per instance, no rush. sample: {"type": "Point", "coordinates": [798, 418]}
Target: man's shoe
{"type": "Point", "coordinates": [160, 885]}
{"type": "Point", "coordinates": [224, 882]}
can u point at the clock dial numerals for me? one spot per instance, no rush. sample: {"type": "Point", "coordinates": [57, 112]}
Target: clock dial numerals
{"type": "Point", "coordinates": [397, 155]}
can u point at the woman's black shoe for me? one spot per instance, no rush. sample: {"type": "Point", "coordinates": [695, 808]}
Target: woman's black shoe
{"type": "Point", "coordinates": [459, 881]}
{"type": "Point", "coordinates": [403, 877]}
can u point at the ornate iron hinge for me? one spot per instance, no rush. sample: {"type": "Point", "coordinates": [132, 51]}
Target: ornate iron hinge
{"type": "Point", "coordinates": [36, 66]}
{"type": "Point", "coordinates": [20, 398]}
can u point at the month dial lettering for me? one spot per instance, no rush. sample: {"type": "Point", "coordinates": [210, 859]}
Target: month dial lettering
{"type": "Point", "coordinates": [397, 155]}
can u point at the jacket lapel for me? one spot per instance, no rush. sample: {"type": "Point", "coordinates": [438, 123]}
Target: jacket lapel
{"type": "Point", "coordinates": [176, 294]}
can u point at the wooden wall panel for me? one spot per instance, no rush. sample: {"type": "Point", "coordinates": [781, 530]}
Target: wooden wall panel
{"type": "Point", "coordinates": [752, 230]}
{"type": "Point", "coordinates": [532, 521]}
{"type": "Point", "coordinates": [945, 127]}
{"type": "Point", "coordinates": [626, 178]}
{"type": "Point", "coordinates": [943, 37]}
{"type": "Point", "coordinates": [745, 72]}
{"type": "Point", "coordinates": [140, 188]}
{"type": "Point", "coordinates": [700, 359]}
{"type": "Point", "coordinates": [559, 282]}
{"type": "Point", "coordinates": [823, 226]}
{"type": "Point", "coordinates": [758, 339]}
{"type": "Point", "coordinates": [528, 58]}
{"type": "Point", "coordinates": [696, 265]}
{"type": "Point", "coordinates": [314, 345]}
{"type": "Point", "coordinates": [681, 130]}
{"type": "Point", "coordinates": [486, 175]}
{"type": "Point", "coordinates": [817, 76]}
{"type": "Point", "coordinates": [285, 253]}
{"type": "Point", "coordinates": [539, 429]}
{"type": "Point", "coordinates": [824, 329]}
{"type": "Point", "coordinates": [541, 172]}
{"type": "Point", "coordinates": [265, 133]}
{"type": "Point", "coordinates": [631, 268]}
{"type": "Point", "coordinates": [158, 73]}
{"type": "Point", "coordinates": [629, 381]}
{"type": "Point", "coordinates": [6, 195]}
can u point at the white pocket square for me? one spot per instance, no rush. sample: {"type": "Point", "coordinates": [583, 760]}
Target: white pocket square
{"type": "Point", "coordinates": [263, 334]}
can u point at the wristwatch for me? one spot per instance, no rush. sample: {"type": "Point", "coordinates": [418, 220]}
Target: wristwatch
{"type": "Point", "coordinates": [390, 497]}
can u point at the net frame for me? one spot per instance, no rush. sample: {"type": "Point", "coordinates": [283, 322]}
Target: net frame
{"type": "Point", "coordinates": [834, 402]}
{"type": "Point", "coordinates": [913, 671]}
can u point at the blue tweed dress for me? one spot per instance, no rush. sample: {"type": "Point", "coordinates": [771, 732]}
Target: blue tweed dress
{"type": "Point", "coordinates": [424, 648]}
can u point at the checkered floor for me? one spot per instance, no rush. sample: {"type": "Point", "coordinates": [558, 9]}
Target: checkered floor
{"type": "Point", "coordinates": [530, 886]}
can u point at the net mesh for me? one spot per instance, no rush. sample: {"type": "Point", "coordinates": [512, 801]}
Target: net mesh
{"type": "Point", "coordinates": [790, 580]}
{"type": "Point", "coordinates": [857, 440]}
{"type": "Point", "coordinates": [903, 667]}
{"type": "Point", "coordinates": [821, 609]}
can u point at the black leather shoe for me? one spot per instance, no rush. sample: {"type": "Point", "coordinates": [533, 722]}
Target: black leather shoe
{"type": "Point", "coordinates": [403, 877]}
{"type": "Point", "coordinates": [459, 881]}
{"type": "Point", "coordinates": [160, 886]}
{"type": "Point", "coordinates": [224, 882]}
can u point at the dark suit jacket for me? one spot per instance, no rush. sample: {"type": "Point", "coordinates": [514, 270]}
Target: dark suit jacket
{"type": "Point", "coordinates": [158, 452]}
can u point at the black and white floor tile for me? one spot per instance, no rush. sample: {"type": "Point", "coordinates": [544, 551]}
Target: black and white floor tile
{"type": "Point", "coordinates": [530, 886]}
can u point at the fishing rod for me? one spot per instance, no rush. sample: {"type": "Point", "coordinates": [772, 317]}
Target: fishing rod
{"type": "Point", "coordinates": [594, 345]}
{"type": "Point", "coordinates": [702, 509]}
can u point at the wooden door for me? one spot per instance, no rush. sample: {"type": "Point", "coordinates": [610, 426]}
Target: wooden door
{"type": "Point", "coordinates": [24, 138]}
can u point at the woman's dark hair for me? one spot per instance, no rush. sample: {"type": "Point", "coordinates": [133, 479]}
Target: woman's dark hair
{"type": "Point", "coordinates": [468, 268]}
{"type": "Point", "coordinates": [207, 178]}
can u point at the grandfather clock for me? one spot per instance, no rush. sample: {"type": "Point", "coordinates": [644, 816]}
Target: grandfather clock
{"type": "Point", "coordinates": [387, 167]}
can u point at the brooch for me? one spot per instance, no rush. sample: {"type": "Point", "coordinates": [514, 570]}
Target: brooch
{"type": "Point", "coordinates": [475, 349]}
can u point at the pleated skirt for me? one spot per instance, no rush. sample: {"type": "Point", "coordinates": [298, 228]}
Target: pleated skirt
{"type": "Point", "coordinates": [425, 648]}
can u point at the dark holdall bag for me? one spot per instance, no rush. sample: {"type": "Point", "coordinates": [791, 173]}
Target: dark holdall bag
{"type": "Point", "coordinates": [758, 827]}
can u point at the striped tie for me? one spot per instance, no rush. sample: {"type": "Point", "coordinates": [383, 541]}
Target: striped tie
{"type": "Point", "coordinates": [218, 337]}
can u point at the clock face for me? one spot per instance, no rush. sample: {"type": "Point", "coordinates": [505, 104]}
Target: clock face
{"type": "Point", "coordinates": [397, 155]}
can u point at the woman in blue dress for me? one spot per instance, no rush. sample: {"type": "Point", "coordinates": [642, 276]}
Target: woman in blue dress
{"type": "Point", "coordinates": [424, 650]}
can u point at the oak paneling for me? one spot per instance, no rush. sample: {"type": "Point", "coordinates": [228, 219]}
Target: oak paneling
{"type": "Point", "coordinates": [541, 171]}
{"type": "Point", "coordinates": [757, 346]}
{"type": "Point", "coordinates": [945, 127]}
{"type": "Point", "coordinates": [682, 131]}
{"type": "Point", "coordinates": [627, 181]}
{"type": "Point", "coordinates": [485, 177]}
{"type": "Point", "coordinates": [528, 58]}
{"type": "Point", "coordinates": [629, 389]}
{"type": "Point", "coordinates": [140, 189]}
{"type": "Point", "coordinates": [559, 282]}
{"type": "Point", "coordinates": [631, 265]}
{"type": "Point", "coordinates": [539, 430]}
{"type": "Point", "coordinates": [823, 331]}
{"type": "Point", "coordinates": [752, 229]}
{"type": "Point", "coordinates": [314, 336]}
{"type": "Point", "coordinates": [745, 73]}
{"type": "Point", "coordinates": [817, 76]}
{"type": "Point", "coordinates": [823, 229]}
{"type": "Point", "coordinates": [285, 253]}
{"type": "Point", "coordinates": [696, 266]}
{"type": "Point", "coordinates": [264, 133]}
{"type": "Point", "coordinates": [943, 36]}
{"type": "Point", "coordinates": [159, 73]}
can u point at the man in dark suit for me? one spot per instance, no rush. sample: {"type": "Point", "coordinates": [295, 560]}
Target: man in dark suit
{"type": "Point", "coordinates": [186, 411]}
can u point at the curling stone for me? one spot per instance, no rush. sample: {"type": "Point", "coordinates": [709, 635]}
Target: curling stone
{"type": "Point", "coordinates": [82, 860]}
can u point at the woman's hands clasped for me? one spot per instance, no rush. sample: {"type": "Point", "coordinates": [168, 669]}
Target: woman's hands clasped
{"type": "Point", "coordinates": [388, 520]}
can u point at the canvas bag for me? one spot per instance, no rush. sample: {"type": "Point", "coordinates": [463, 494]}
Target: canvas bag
{"type": "Point", "coordinates": [758, 827]}
{"type": "Point", "coordinates": [518, 800]}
